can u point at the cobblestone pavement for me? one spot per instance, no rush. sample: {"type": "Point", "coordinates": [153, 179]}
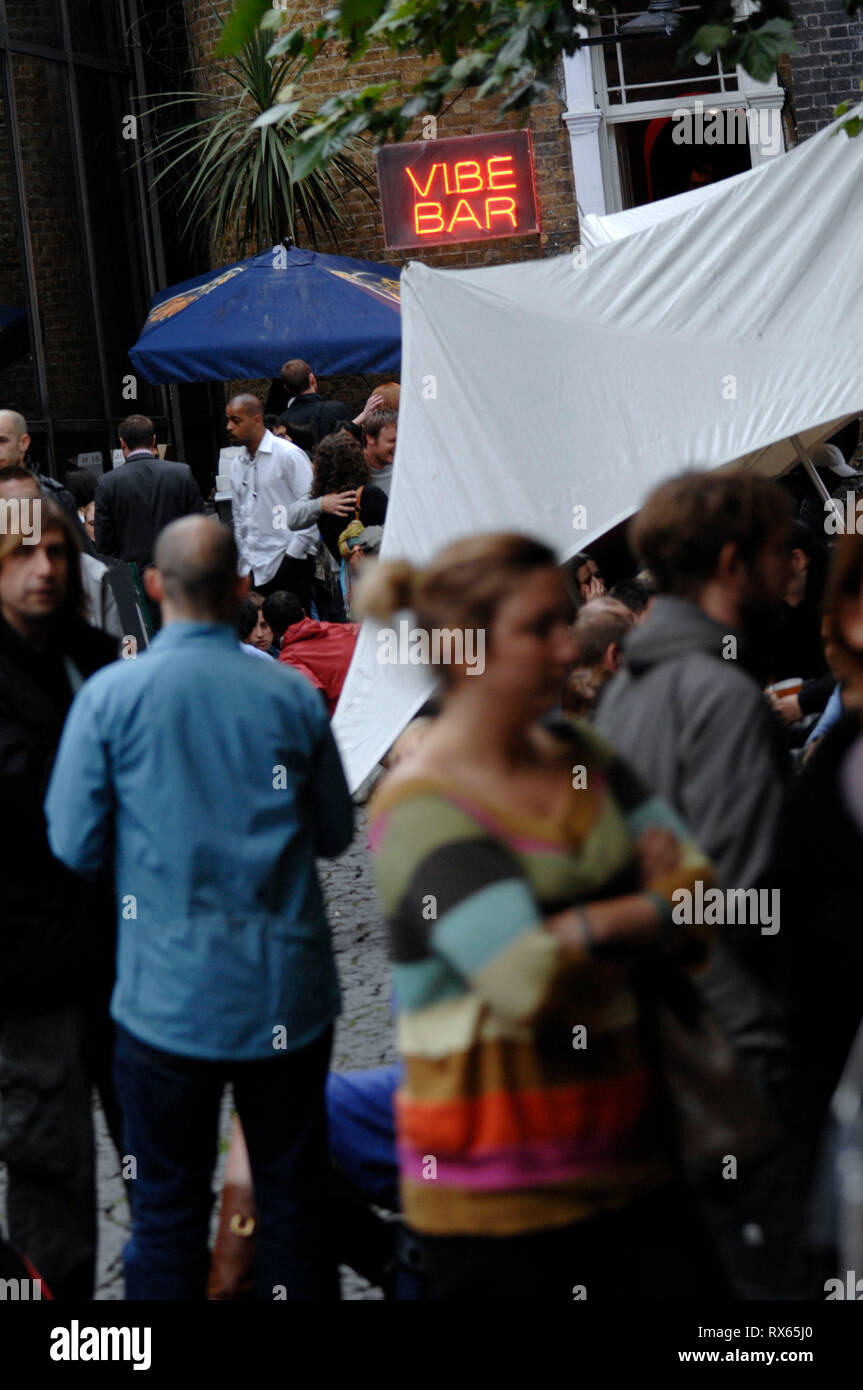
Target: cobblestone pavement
{"type": "Point", "coordinates": [364, 1038]}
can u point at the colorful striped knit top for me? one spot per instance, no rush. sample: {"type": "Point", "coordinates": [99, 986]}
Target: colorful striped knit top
{"type": "Point", "coordinates": [527, 1102]}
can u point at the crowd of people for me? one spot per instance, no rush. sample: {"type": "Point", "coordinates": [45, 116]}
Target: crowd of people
{"type": "Point", "coordinates": [618, 866]}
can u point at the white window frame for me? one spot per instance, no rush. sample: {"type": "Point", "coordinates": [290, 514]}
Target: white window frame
{"type": "Point", "coordinates": [589, 116]}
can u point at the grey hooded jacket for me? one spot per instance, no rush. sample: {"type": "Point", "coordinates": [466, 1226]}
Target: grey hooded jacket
{"type": "Point", "coordinates": [697, 728]}
{"type": "Point", "coordinates": [695, 724]}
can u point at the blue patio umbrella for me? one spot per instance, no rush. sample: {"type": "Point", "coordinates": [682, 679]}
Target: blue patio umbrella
{"type": "Point", "coordinates": [245, 320]}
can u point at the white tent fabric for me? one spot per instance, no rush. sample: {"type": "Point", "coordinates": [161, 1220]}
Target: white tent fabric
{"type": "Point", "coordinates": [599, 231]}
{"type": "Point", "coordinates": [529, 390]}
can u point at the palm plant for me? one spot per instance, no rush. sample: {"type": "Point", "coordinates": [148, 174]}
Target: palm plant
{"type": "Point", "coordinates": [234, 179]}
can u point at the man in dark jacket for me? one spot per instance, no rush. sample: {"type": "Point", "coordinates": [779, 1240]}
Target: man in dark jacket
{"type": "Point", "coordinates": [14, 448]}
{"type": "Point", "coordinates": [138, 500]}
{"type": "Point", "coordinates": [306, 406]}
{"type": "Point", "coordinates": [56, 948]}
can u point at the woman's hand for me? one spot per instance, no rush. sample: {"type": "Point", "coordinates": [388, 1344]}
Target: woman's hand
{"type": "Point", "coordinates": [658, 853]}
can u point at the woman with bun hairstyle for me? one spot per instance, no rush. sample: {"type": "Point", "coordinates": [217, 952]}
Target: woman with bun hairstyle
{"type": "Point", "coordinates": [525, 871]}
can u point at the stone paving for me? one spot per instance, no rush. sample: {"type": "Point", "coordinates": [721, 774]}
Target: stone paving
{"type": "Point", "coordinates": [364, 1038]}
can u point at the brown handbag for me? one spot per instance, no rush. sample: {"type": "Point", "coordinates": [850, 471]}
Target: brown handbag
{"type": "Point", "coordinates": [715, 1109]}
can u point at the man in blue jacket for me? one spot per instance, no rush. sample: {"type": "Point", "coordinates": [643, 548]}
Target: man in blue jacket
{"type": "Point", "coordinates": [210, 783]}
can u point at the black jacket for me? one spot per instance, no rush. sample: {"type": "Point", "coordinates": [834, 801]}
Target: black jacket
{"type": "Point", "coordinates": [373, 512]}
{"type": "Point", "coordinates": [49, 487]}
{"type": "Point", "coordinates": [817, 871]}
{"type": "Point", "coordinates": [797, 649]}
{"type": "Point", "coordinates": [136, 501]}
{"type": "Point", "coordinates": [54, 930]}
{"type": "Point", "coordinates": [318, 415]}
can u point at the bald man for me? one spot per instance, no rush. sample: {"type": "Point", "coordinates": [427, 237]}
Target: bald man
{"type": "Point", "coordinates": [14, 449]}
{"type": "Point", "coordinates": [210, 783]}
{"type": "Point", "coordinates": [267, 480]}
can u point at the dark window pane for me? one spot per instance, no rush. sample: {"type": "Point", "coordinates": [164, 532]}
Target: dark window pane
{"type": "Point", "coordinates": [648, 61]}
{"type": "Point", "coordinates": [37, 21]}
{"type": "Point", "coordinates": [640, 65]}
{"type": "Point", "coordinates": [95, 28]}
{"type": "Point", "coordinates": [17, 375]}
{"type": "Point", "coordinates": [111, 193]}
{"type": "Point", "coordinates": [65, 310]}
{"type": "Point", "coordinates": [69, 443]}
{"type": "Point", "coordinates": [652, 166]}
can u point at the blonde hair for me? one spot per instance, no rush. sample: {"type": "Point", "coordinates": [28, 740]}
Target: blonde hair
{"type": "Point", "coordinates": [461, 588]}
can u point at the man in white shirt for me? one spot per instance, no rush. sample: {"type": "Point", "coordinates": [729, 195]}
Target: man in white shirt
{"type": "Point", "coordinates": [267, 479]}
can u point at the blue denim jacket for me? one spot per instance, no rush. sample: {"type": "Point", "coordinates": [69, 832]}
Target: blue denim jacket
{"type": "Point", "coordinates": [208, 783]}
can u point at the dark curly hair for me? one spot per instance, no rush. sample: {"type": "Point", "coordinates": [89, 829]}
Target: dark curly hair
{"type": "Point", "coordinates": [339, 464]}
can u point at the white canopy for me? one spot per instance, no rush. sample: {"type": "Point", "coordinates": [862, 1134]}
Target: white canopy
{"type": "Point", "coordinates": [599, 231]}
{"type": "Point", "coordinates": [530, 390]}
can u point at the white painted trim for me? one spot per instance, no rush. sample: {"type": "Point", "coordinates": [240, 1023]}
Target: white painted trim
{"type": "Point", "coordinates": [582, 119]}
{"type": "Point", "coordinates": [649, 110]}
{"type": "Point", "coordinates": [589, 117]}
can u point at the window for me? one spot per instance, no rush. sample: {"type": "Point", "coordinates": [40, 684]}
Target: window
{"type": "Point", "coordinates": [75, 271]}
{"type": "Point", "coordinates": [642, 69]}
{"type": "Point", "coordinates": [17, 369]}
{"type": "Point", "coordinates": [625, 99]}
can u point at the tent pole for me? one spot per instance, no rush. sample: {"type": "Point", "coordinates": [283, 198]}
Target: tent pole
{"type": "Point", "coordinates": [805, 458]}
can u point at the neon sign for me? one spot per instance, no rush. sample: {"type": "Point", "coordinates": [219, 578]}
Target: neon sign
{"type": "Point", "coordinates": [470, 188]}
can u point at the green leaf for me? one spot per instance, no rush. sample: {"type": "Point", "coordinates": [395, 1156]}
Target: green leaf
{"type": "Point", "coordinates": [273, 19]}
{"type": "Point", "coordinates": [413, 107]}
{"type": "Point", "coordinates": [841, 108]}
{"type": "Point", "coordinates": [241, 25]}
{"type": "Point", "coordinates": [710, 37]}
{"type": "Point", "coordinates": [758, 50]}
{"type": "Point", "coordinates": [275, 114]}
{"type": "Point", "coordinates": [853, 127]}
{"type": "Point", "coordinates": [290, 44]}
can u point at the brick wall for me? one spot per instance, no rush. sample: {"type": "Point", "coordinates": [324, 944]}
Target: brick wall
{"type": "Point", "coordinates": [55, 235]}
{"type": "Point", "coordinates": [829, 65]}
{"type": "Point", "coordinates": [362, 234]}
{"type": "Point", "coordinates": [825, 72]}
{"type": "Point", "coordinates": [17, 383]}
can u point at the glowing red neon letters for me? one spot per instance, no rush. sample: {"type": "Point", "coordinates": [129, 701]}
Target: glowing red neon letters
{"type": "Point", "coordinates": [466, 176]}
{"type": "Point", "coordinates": [463, 189]}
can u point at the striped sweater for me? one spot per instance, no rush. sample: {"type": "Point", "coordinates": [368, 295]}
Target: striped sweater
{"type": "Point", "coordinates": [526, 1101]}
